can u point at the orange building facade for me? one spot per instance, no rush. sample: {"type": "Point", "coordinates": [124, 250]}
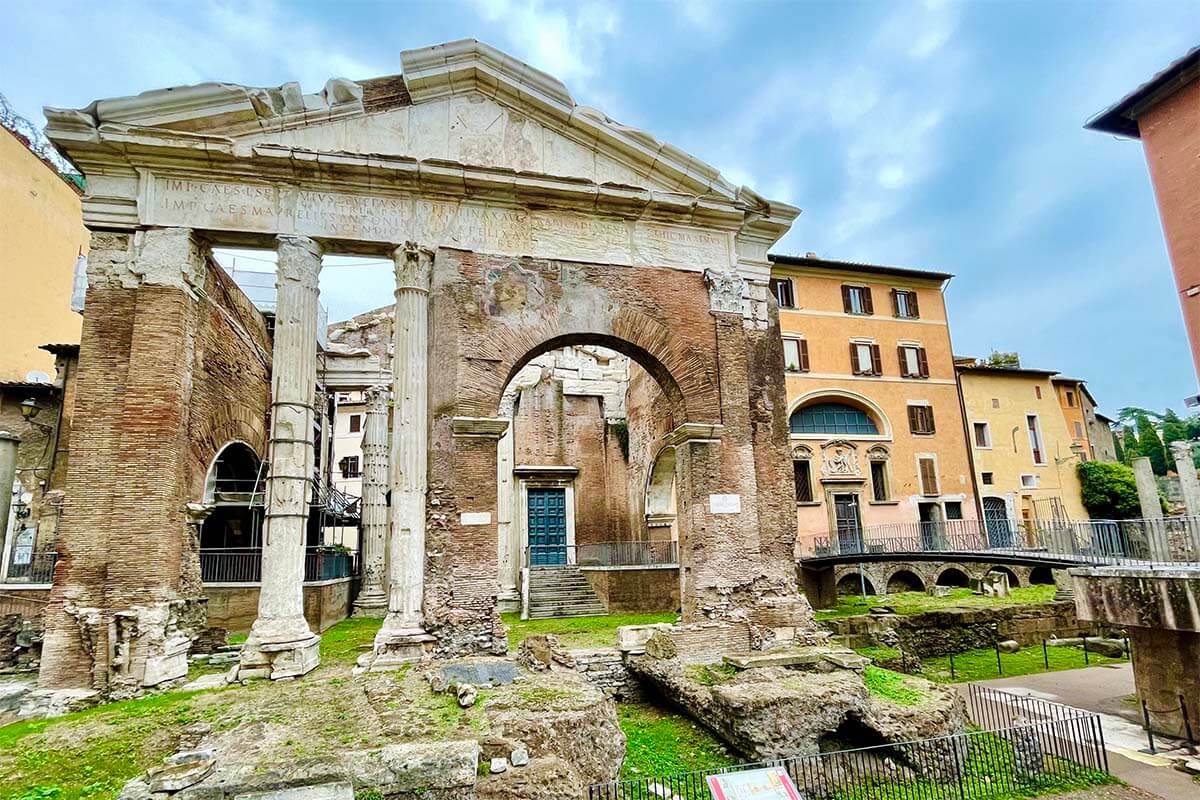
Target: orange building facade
{"type": "Point", "coordinates": [877, 435]}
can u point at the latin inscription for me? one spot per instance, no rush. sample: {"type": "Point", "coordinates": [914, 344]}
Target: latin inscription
{"type": "Point", "coordinates": [389, 218]}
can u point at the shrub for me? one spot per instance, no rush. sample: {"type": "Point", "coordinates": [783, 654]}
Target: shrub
{"type": "Point", "coordinates": [1109, 490]}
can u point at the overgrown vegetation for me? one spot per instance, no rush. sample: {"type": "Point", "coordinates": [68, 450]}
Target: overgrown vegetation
{"type": "Point", "coordinates": [918, 602]}
{"type": "Point", "coordinates": [893, 687]}
{"type": "Point", "coordinates": [711, 674]}
{"type": "Point", "coordinates": [1109, 490]}
{"type": "Point", "coordinates": [662, 742]}
{"type": "Point", "coordinates": [350, 638]}
{"type": "Point", "coordinates": [979, 665]}
{"type": "Point", "coordinates": [578, 632]}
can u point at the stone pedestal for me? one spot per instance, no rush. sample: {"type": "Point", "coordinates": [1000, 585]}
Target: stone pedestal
{"type": "Point", "coordinates": [372, 599]}
{"type": "Point", "coordinates": [1152, 525]}
{"type": "Point", "coordinates": [280, 643]}
{"type": "Point", "coordinates": [403, 637]}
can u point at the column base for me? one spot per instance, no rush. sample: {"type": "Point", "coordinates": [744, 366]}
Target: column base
{"type": "Point", "coordinates": [276, 660]}
{"type": "Point", "coordinates": [508, 601]}
{"type": "Point", "coordinates": [396, 646]}
{"type": "Point", "coordinates": [372, 605]}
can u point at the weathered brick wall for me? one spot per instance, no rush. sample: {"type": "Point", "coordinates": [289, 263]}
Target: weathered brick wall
{"type": "Point", "coordinates": [166, 376]}
{"type": "Point", "coordinates": [235, 608]}
{"type": "Point", "coordinates": [649, 419]}
{"type": "Point", "coordinates": [636, 590]}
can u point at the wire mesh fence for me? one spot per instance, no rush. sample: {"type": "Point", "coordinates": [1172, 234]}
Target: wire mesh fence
{"type": "Point", "coordinates": [1023, 748]}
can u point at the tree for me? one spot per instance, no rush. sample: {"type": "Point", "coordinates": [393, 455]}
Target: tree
{"type": "Point", "coordinates": [1118, 448]}
{"type": "Point", "coordinates": [1131, 447]}
{"type": "Point", "coordinates": [1150, 446]}
{"type": "Point", "coordinates": [1129, 415]}
{"type": "Point", "coordinates": [1174, 429]}
{"type": "Point", "coordinates": [1001, 359]}
{"type": "Point", "coordinates": [1108, 491]}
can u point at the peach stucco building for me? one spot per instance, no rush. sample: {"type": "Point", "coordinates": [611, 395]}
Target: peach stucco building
{"type": "Point", "coordinates": [876, 424]}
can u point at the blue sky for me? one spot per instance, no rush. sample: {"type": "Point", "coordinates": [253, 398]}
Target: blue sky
{"type": "Point", "coordinates": [932, 134]}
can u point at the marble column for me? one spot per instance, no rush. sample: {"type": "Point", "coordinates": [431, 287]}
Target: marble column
{"type": "Point", "coordinates": [509, 556]}
{"type": "Point", "coordinates": [280, 643]}
{"type": "Point", "coordinates": [1152, 516]}
{"type": "Point", "coordinates": [9, 442]}
{"type": "Point", "coordinates": [402, 637]}
{"type": "Point", "coordinates": [372, 600]}
{"type": "Point", "coordinates": [1189, 485]}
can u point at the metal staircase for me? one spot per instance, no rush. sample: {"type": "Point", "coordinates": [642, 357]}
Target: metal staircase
{"type": "Point", "coordinates": [562, 591]}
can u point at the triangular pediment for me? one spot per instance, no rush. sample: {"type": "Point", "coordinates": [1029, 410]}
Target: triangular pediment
{"type": "Point", "coordinates": [461, 102]}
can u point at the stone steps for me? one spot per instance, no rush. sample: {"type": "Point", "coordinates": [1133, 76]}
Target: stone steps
{"type": "Point", "coordinates": [562, 592]}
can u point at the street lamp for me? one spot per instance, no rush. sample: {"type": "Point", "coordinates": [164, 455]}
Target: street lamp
{"type": "Point", "coordinates": [30, 408]}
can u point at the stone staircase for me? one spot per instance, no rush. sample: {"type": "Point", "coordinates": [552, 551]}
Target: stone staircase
{"type": "Point", "coordinates": [561, 592]}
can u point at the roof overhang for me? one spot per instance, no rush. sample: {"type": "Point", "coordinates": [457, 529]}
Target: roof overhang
{"type": "Point", "coordinates": [1121, 118]}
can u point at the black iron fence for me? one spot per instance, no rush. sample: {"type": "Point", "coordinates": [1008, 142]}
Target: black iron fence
{"type": "Point", "coordinates": [604, 554]}
{"type": "Point", "coordinates": [1097, 541]}
{"type": "Point", "coordinates": [1051, 748]}
{"type": "Point", "coordinates": [36, 568]}
{"type": "Point", "coordinates": [244, 564]}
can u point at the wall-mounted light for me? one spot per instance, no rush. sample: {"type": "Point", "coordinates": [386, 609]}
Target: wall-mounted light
{"type": "Point", "coordinates": [30, 408]}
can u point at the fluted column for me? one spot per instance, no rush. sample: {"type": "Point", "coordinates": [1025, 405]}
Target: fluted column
{"type": "Point", "coordinates": [402, 636]}
{"type": "Point", "coordinates": [372, 601]}
{"type": "Point", "coordinates": [280, 643]}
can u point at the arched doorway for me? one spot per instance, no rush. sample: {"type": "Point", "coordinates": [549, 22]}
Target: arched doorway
{"type": "Point", "coordinates": [952, 576]}
{"type": "Point", "coordinates": [1013, 581]}
{"type": "Point", "coordinates": [231, 534]}
{"type": "Point", "coordinates": [660, 499]}
{"type": "Point", "coordinates": [904, 581]}
{"type": "Point", "coordinates": [1041, 576]}
{"type": "Point", "coordinates": [996, 521]}
{"type": "Point", "coordinates": [853, 584]}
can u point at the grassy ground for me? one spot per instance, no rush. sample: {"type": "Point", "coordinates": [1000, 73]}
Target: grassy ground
{"type": "Point", "coordinates": [579, 632]}
{"type": "Point", "coordinates": [663, 742]}
{"type": "Point", "coordinates": [979, 665]}
{"type": "Point", "coordinates": [918, 602]}
{"type": "Point", "coordinates": [893, 686]}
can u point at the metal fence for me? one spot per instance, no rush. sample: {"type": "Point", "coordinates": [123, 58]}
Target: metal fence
{"type": "Point", "coordinates": [604, 554]}
{"type": "Point", "coordinates": [1097, 541]}
{"type": "Point", "coordinates": [244, 564]}
{"type": "Point", "coordinates": [1019, 755]}
{"type": "Point", "coordinates": [38, 569]}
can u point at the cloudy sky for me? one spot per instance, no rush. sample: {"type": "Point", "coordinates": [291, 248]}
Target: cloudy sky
{"type": "Point", "coordinates": [934, 134]}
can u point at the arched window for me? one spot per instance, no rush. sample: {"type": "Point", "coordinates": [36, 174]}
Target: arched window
{"type": "Point", "coordinates": [832, 418]}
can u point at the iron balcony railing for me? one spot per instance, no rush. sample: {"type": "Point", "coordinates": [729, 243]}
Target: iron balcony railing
{"type": "Point", "coordinates": [244, 564]}
{"type": "Point", "coordinates": [604, 554]}
{"type": "Point", "coordinates": [38, 569]}
{"type": "Point", "coordinates": [1015, 757]}
{"type": "Point", "coordinates": [1169, 540]}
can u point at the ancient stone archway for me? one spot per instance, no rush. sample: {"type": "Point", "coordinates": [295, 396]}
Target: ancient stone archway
{"type": "Point", "coordinates": [904, 580]}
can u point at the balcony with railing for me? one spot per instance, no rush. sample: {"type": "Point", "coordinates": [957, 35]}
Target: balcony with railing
{"type": "Point", "coordinates": [244, 564]}
{"type": "Point", "coordinates": [34, 569]}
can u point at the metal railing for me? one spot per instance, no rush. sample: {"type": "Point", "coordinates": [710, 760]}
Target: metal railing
{"type": "Point", "coordinates": [1017, 757]}
{"type": "Point", "coordinates": [1174, 540]}
{"type": "Point", "coordinates": [38, 569]}
{"type": "Point", "coordinates": [604, 554]}
{"type": "Point", "coordinates": [244, 564]}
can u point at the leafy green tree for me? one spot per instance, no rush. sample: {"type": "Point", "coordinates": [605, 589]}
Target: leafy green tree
{"type": "Point", "coordinates": [1192, 424]}
{"type": "Point", "coordinates": [1002, 359]}
{"type": "Point", "coordinates": [1150, 446]}
{"type": "Point", "coordinates": [1174, 429]}
{"type": "Point", "coordinates": [1109, 491]}
{"type": "Point", "coordinates": [1132, 448]}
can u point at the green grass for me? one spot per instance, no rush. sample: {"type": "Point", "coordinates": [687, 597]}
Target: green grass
{"type": "Point", "coordinates": [893, 687]}
{"type": "Point", "coordinates": [918, 602]}
{"type": "Point", "coordinates": [978, 665]}
{"type": "Point", "coordinates": [578, 632]}
{"type": "Point", "coordinates": [711, 674]}
{"type": "Point", "coordinates": [347, 640]}
{"type": "Point", "coordinates": [662, 742]}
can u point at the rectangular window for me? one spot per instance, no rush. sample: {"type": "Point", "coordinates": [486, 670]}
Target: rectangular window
{"type": "Point", "coordinates": [355, 423]}
{"type": "Point", "coordinates": [913, 362]}
{"type": "Point", "coordinates": [904, 304]}
{"type": "Point", "coordinates": [988, 480]}
{"type": "Point", "coordinates": [995, 402]}
{"type": "Point", "coordinates": [864, 359]}
{"type": "Point", "coordinates": [349, 466]}
{"type": "Point", "coordinates": [803, 474]}
{"type": "Point", "coordinates": [929, 476]}
{"type": "Point", "coordinates": [1078, 430]}
{"type": "Point", "coordinates": [1070, 398]}
{"type": "Point", "coordinates": [920, 419]}
{"type": "Point", "coordinates": [1029, 481]}
{"type": "Point", "coordinates": [953, 509]}
{"type": "Point", "coordinates": [983, 434]}
{"type": "Point", "coordinates": [795, 355]}
{"type": "Point", "coordinates": [857, 300]}
{"type": "Point", "coordinates": [784, 295]}
{"type": "Point", "coordinates": [1037, 391]}
{"type": "Point", "coordinates": [879, 484]}
{"type": "Point", "coordinates": [1035, 438]}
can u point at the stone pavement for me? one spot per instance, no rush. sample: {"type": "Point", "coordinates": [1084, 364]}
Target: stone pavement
{"type": "Point", "coordinates": [1104, 690]}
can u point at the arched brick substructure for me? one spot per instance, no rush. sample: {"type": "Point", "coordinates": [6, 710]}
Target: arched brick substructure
{"type": "Point", "coordinates": [1014, 580]}
{"type": "Point", "coordinates": [880, 573]}
{"type": "Point", "coordinates": [903, 580]}
{"type": "Point", "coordinates": [489, 315]}
{"type": "Point", "coordinates": [952, 575]}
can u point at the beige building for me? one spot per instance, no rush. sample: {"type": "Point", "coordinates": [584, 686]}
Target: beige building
{"type": "Point", "coordinates": [41, 237]}
{"type": "Point", "coordinates": [876, 429]}
{"type": "Point", "coordinates": [1024, 446]}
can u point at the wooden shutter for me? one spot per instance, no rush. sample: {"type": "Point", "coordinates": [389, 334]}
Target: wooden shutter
{"type": "Point", "coordinates": [913, 309]}
{"type": "Point", "coordinates": [868, 306]}
{"type": "Point", "coordinates": [914, 424]}
{"type": "Point", "coordinates": [846, 299]}
{"type": "Point", "coordinates": [803, 355]}
{"type": "Point", "coordinates": [929, 481]}
{"type": "Point", "coordinates": [922, 363]}
{"type": "Point", "coordinates": [896, 305]}
{"type": "Point", "coordinates": [876, 362]}
{"type": "Point", "coordinates": [903, 361]}
{"type": "Point", "coordinates": [854, 369]}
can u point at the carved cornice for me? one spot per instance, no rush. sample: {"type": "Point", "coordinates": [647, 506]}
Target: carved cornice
{"type": "Point", "coordinates": [480, 427]}
{"type": "Point", "coordinates": [694, 432]}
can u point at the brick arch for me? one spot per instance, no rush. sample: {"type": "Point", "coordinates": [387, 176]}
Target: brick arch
{"type": "Point", "coordinates": [230, 422]}
{"type": "Point", "coordinates": [905, 569]}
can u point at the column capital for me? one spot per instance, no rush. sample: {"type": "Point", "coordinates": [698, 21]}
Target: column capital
{"type": "Point", "coordinates": [299, 259]}
{"type": "Point", "coordinates": [377, 399]}
{"type": "Point", "coordinates": [725, 290]}
{"type": "Point", "coordinates": [694, 432]}
{"type": "Point", "coordinates": [414, 266]}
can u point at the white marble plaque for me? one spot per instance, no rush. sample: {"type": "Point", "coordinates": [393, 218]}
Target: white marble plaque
{"type": "Point", "coordinates": [475, 518]}
{"type": "Point", "coordinates": [725, 503]}
{"type": "Point", "coordinates": [394, 218]}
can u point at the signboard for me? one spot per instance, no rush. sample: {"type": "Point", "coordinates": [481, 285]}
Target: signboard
{"type": "Point", "coordinates": [771, 783]}
{"type": "Point", "coordinates": [725, 503]}
{"type": "Point", "coordinates": [475, 518]}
